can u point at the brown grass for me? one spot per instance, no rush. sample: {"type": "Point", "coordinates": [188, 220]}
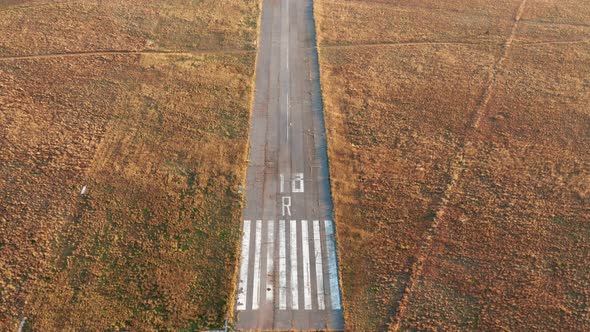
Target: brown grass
{"type": "Point", "coordinates": [74, 26]}
{"type": "Point", "coordinates": [460, 180]}
{"type": "Point", "coordinates": [160, 141]}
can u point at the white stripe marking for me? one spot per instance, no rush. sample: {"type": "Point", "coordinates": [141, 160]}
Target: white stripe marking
{"type": "Point", "coordinates": [282, 267]}
{"type": "Point", "coordinates": [332, 265]}
{"type": "Point", "coordinates": [243, 284]}
{"type": "Point", "coordinates": [317, 245]}
{"type": "Point", "coordinates": [294, 289]}
{"type": "Point", "coordinates": [256, 283]}
{"type": "Point", "coordinates": [306, 265]}
{"type": "Point", "coordinates": [270, 261]}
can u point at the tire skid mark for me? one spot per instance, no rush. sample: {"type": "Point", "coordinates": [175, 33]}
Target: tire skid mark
{"type": "Point", "coordinates": [457, 167]}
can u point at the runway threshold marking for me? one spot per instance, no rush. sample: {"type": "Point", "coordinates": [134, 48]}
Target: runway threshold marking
{"type": "Point", "coordinates": [293, 268]}
{"type": "Point", "coordinates": [270, 262]}
{"type": "Point", "coordinates": [306, 265]}
{"type": "Point", "coordinates": [292, 294]}
{"type": "Point", "coordinates": [332, 265]}
{"type": "Point", "coordinates": [317, 245]}
{"type": "Point", "coordinates": [243, 284]}
{"type": "Point", "coordinates": [256, 283]}
{"type": "Point", "coordinates": [282, 267]}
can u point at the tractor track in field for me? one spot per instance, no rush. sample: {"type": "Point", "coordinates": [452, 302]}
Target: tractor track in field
{"type": "Point", "coordinates": [552, 42]}
{"type": "Point", "coordinates": [444, 43]}
{"type": "Point", "coordinates": [457, 167]}
{"type": "Point", "coordinates": [123, 52]}
{"type": "Point", "coordinates": [39, 5]}
{"type": "Point", "coordinates": [408, 43]}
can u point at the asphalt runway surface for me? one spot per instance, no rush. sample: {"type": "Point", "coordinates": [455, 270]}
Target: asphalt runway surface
{"type": "Point", "coordinates": [288, 277]}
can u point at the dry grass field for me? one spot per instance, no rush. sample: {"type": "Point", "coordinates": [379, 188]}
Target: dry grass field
{"type": "Point", "coordinates": [147, 104]}
{"type": "Point", "coordinates": [459, 144]}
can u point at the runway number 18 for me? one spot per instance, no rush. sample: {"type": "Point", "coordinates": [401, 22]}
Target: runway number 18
{"type": "Point", "coordinates": [297, 185]}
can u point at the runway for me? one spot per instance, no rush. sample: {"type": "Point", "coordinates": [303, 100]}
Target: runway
{"type": "Point", "coordinates": [288, 277]}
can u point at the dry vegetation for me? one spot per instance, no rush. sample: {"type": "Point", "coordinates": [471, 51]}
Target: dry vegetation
{"type": "Point", "coordinates": [159, 140]}
{"type": "Point", "coordinates": [460, 164]}
{"type": "Point", "coordinates": [43, 27]}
